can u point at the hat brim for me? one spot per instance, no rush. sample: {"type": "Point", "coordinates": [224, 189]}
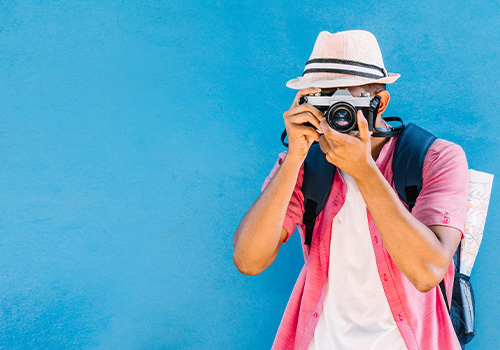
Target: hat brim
{"type": "Point", "coordinates": [342, 80]}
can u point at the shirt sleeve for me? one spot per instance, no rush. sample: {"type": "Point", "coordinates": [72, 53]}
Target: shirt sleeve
{"type": "Point", "coordinates": [443, 199]}
{"type": "Point", "coordinates": [295, 209]}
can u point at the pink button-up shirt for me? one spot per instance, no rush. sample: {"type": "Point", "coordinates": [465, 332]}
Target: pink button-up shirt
{"type": "Point", "coordinates": [422, 318]}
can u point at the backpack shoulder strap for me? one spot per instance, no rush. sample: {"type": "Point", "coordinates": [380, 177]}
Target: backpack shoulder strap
{"type": "Point", "coordinates": [408, 161]}
{"type": "Point", "coordinates": [316, 186]}
{"type": "Point", "coordinates": [407, 164]}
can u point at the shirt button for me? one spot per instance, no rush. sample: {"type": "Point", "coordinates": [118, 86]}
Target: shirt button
{"type": "Point", "coordinates": [446, 220]}
{"type": "Point", "coordinates": [385, 277]}
{"type": "Point", "coordinates": [376, 239]}
{"type": "Point", "coordinates": [315, 314]}
{"type": "Point", "coordinates": [400, 317]}
{"type": "Point", "coordinates": [335, 204]}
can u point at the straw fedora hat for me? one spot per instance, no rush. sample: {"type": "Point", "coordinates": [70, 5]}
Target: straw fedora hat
{"type": "Point", "coordinates": [343, 59]}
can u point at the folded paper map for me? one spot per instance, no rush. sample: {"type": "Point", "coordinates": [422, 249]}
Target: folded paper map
{"type": "Point", "coordinates": [477, 207]}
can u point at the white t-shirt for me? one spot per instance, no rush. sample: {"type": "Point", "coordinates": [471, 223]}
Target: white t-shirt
{"type": "Point", "coordinates": [356, 314]}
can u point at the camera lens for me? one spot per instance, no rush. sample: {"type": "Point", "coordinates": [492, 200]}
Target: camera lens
{"type": "Point", "coordinates": [341, 117]}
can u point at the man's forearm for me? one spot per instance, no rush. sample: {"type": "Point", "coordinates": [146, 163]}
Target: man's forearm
{"type": "Point", "coordinates": [258, 235]}
{"type": "Point", "coordinates": [414, 248]}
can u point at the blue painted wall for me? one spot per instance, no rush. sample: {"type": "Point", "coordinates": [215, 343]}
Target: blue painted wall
{"type": "Point", "coordinates": [134, 135]}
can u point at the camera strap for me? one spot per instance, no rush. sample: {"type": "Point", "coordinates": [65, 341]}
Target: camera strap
{"type": "Point", "coordinates": [283, 135]}
{"type": "Point", "coordinates": [389, 131]}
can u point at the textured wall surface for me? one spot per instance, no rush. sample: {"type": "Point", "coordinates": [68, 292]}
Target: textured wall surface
{"type": "Point", "coordinates": [134, 135]}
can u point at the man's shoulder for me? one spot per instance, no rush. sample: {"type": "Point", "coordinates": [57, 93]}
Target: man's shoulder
{"type": "Point", "coordinates": [441, 144]}
{"type": "Point", "coordinates": [444, 150]}
{"type": "Point", "coordinates": [445, 160]}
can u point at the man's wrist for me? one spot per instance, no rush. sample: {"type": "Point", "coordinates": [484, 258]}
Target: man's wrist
{"type": "Point", "coordinates": [367, 173]}
{"type": "Point", "coordinates": [294, 160]}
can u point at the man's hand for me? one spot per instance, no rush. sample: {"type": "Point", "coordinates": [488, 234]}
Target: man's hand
{"type": "Point", "coordinates": [301, 137]}
{"type": "Point", "coordinates": [351, 153]}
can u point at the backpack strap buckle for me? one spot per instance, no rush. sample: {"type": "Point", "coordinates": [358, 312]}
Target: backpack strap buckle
{"type": "Point", "coordinates": [309, 218]}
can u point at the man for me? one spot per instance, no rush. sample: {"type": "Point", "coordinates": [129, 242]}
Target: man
{"type": "Point", "coordinates": [371, 271]}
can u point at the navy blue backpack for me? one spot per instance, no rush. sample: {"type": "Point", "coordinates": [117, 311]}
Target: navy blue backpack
{"type": "Point", "coordinates": [408, 160]}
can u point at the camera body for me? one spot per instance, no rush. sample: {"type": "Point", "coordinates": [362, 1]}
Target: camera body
{"type": "Point", "coordinates": [341, 107]}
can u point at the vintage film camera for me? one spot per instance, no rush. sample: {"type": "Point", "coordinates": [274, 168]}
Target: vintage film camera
{"type": "Point", "coordinates": [340, 109]}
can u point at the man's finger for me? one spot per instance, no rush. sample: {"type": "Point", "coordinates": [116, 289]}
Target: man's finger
{"type": "Point", "coordinates": [323, 144]}
{"type": "Point", "coordinates": [304, 108]}
{"type": "Point", "coordinates": [325, 127]}
{"type": "Point", "coordinates": [298, 113]}
{"type": "Point", "coordinates": [303, 119]}
{"type": "Point", "coordinates": [304, 92]}
{"type": "Point", "coordinates": [307, 131]}
{"type": "Point", "coordinates": [331, 134]}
